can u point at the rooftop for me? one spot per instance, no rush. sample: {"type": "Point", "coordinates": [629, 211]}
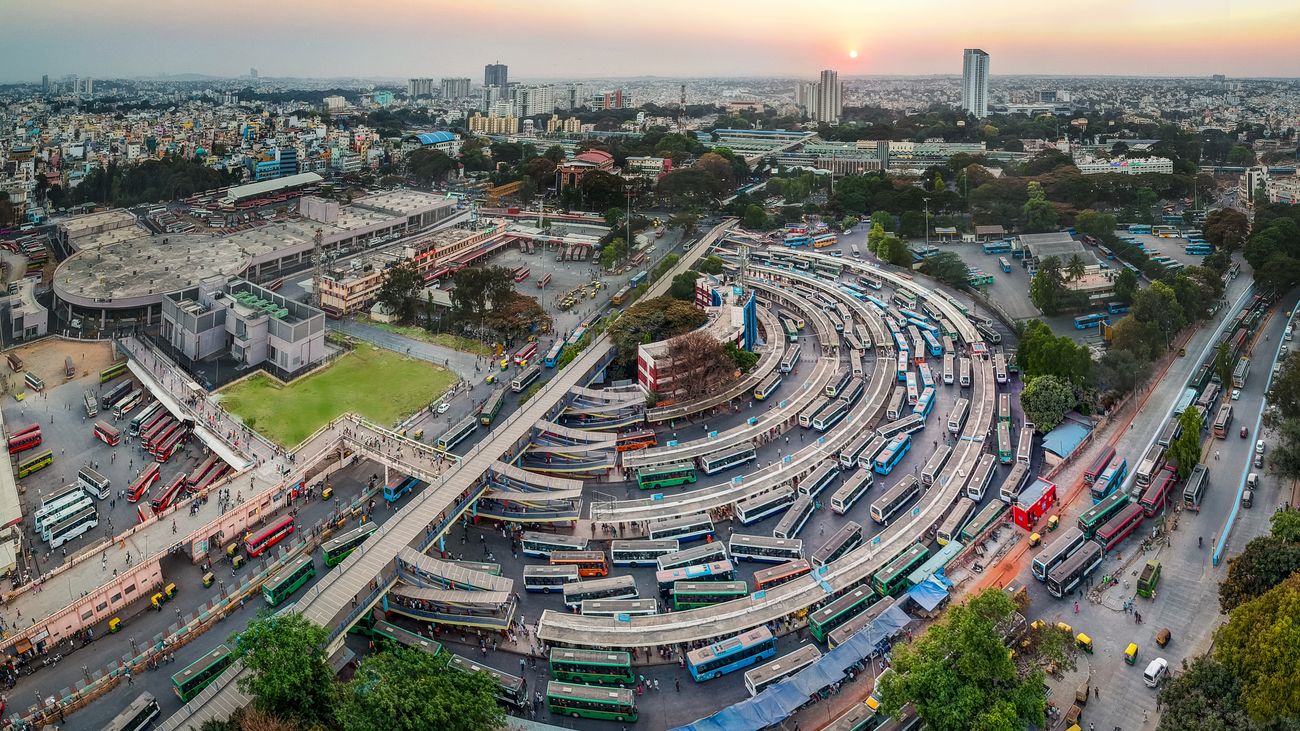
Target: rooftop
{"type": "Point", "coordinates": [252, 190]}
{"type": "Point", "coordinates": [94, 222]}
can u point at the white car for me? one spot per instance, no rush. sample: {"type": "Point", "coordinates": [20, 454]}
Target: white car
{"type": "Point", "coordinates": [1155, 672]}
{"type": "Point", "coordinates": [1236, 394]}
{"type": "Point", "coordinates": [442, 407]}
{"type": "Point", "coordinates": [1259, 446]}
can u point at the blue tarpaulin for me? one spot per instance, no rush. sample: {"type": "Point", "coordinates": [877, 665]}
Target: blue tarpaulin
{"type": "Point", "coordinates": [778, 702]}
{"type": "Point", "coordinates": [930, 593]}
{"type": "Point", "coordinates": [1064, 439]}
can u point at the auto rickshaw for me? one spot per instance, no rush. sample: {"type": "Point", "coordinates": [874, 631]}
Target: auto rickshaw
{"type": "Point", "coordinates": [1063, 627]}
{"type": "Point", "coordinates": [170, 591]}
{"type": "Point", "coordinates": [327, 493]}
{"type": "Point", "coordinates": [505, 363]}
{"type": "Point", "coordinates": [158, 600]}
{"type": "Point", "coordinates": [237, 562]}
{"type": "Point", "coordinates": [1053, 522]}
{"type": "Point", "coordinates": [1131, 653]}
{"type": "Point", "coordinates": [208, 579]}
{"type": "Point", "coordinates": [114, 625]}
{"type": "Point", "coordinates": [232, 549]}
{"type": "Point", "coordinates": [1081, 692]}
{"type": "Point", "coordinates": [418, 435]}
{"type": "Point", "coordinates": [1084, 642]}
{"type": "Point", "coordinates": [491, 379]}
{"type": "Point", "coordinates": [1034, 539]}
{"type": "Point", "coordinates": [1162, 637]}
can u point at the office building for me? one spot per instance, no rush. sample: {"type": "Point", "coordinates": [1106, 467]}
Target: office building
{"type": "Point", "coordinates": [417, 88]}
{"type": "Point", "coordinates": [614, 99]}
{"type": "Point", "coordinates": [334, 103]}
{"type": "Point", "coordinates": [455, 88]}
{"type": "Point", "coordinates": [494, 74]}
{"type": "Point", "coordinates": [45, 84]}
{"type": "Point", "coordinates": [975, 83]}
{"type": "Point", "coordinates": [829, 98]}
{"type": "Point", "coordinates": [383, 98]}
{"type": "Point", "coordinates": [1130, 166]}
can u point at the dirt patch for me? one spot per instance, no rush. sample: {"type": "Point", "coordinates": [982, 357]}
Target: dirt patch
{"type": "Point", "coordinates": [45, 358]}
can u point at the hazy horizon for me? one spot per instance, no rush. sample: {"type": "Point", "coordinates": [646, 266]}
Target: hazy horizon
{"type": "Point", "coordinates": [397, 39]}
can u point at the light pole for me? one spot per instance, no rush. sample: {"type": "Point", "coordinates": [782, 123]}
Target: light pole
{"type": "Point", "coordinates": [927, 222]}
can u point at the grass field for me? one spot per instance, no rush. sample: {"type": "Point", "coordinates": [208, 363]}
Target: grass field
{"type": "Point", "coordinates": [378, 384]}
{"type": "Point", "coordinates": [446, 340]}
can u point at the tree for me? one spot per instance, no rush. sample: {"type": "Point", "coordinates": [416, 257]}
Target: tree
{"type": "Point", "coordinates": [1120, 371]}
{"type": "Point", "coordinates": [1076, 268]}
{"type": "Point", "coordinates": [948, 268]}
{"type": "Point", "coordinates": [1226, 228]}
{"type": "Point", "coordinates": [959, 675]}
{"type": "Point", "coordinates": [1159, 306]}
{"type": "Point", "coordinates": [1046, 286]}
{"type": "Point", "coordinates": [700, 365]}
{"type": "Point", "coordinates": [1043, 353]}
{"type": "Point", "coordinates": [741, 358]}
{"type": "Point", "coordinates": [663, 265]}
{"type": "Point", "coordinates": [894, 250]}
{"type": "Point", "coordinates": [1223, 366]}
{"type": "Point", "coordinates": [1096, 224]}
{"type": "Point", "coordinates": [1039, 214]}
{"type": "Point", "coordinates": [875, 236]}
{"type": "Point", "coordinates": [476, 289]}
{"type": "Point", "coordinates": [1263, 564]}
{"type": "Point", "coordinates": [613, 252]}
{"type": "Point", "coordinates": [428, 166]}
{"type": "Point", "coordinates": [288, 671]}
{"type": "Point", "coordinates": [1139, 338]}
{"type": "Point", "coordinates": [883, 218]}
{"type": "Point", "coordinates": [912, 223]}
{"type": "Point", "coordinates": [1185, 451]}
{"type": "Point", "coordinates": [1145, 199]}
{"type": "Point", "coordinates": [614, 217]}
{"type": "Point", "coordinates": [849, 222]}
{"type": "Point", "coordinates": [1261, 645]}
{"type": "Point", "coordinates": [1046, 401]}
{"type": "Point", "coordinates": [400, 289]}
{"type": "Point", "coordinates": [650, 321]}
{"type": "Point", "coordinates": [755, 218]}
{"type": "Point", "coordinates": [710, 265]}
{"type": "Point", "coordinates": [939, 185]}
{"type": "Point", "coordinates": [683, 286]}
{"type": "Point", "coordinates": [406, 689]}
{"type": "Point", "coordinates": [1205, 696]}
{"type": "Point", "coordinates": [1126, 285]}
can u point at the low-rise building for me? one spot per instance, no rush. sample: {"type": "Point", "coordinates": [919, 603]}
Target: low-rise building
{"type": "Point", "coordinates": [733, 317]}
{"type": "Point", "coordinates": [1128, 166]}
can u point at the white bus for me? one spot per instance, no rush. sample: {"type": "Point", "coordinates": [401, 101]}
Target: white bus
{"type": "Point", "coordinates": [894, 410]}
{"type": "Point", "coordinates": [1025, 448]}
{"type": "Point", "coordinates": [1052, 554]}
{"type": "Point", "coordinates": [884, 509]}
{"type": "Point", "coordinates": [955, 520]}
{"type": "Point", "coordinates": [754, 509]}
{"type": "Point", "coordinates": [1150, 464]}
{"type": "Point", "coordinates": [795, 518]}
{"type": "Point", "coordinates": [52, 519]}
{"type": "Point", "coordinates": [852, 490]}
{"type": "Point", "coordinates": [725, 459]}
{"type": "Point", "coordinates": [759, 678]}
{"type": "Point", "coordinates": [642, 552]}
{"type": "Point", "coordinates": [935, 465]}
{"type": "Point", "coordinates": [682, 528]}
{"type": "Point", "coordinates": [957, 417]}
{"type": "Point", "coordinates": [812, 410]}
{"type": "Point", "coordinates": [813, 483]}
{"type": "Point", "coordinates": [693, 556]}
{"type": "Point", "coordinates": [93, 482]}
{"type": "Point", "coordinates": [617, 607]}
{"type": "Point", "coordinates": [1011, 486]}
{"type": "Point", "coordinates": [765, 548]}
{"type": "Point", "coordinates": [847, 538]}
{"type": "Point", "coordinates": [963, 371]}
{"type": "Point", "coordinates": [609, 587]}
{"type": "Point", "coordinates": [73, 526]}
{"type": "Point", "coordinates": [549, 578]}
{"type": "Point", "coordinates": [948, 375]}
{"type": "Point", "coordinates": [543, 544]}
{"type": "Point", "coordinates": [980, 477]}
{"type": "Point", "coordinates": [790, 360]}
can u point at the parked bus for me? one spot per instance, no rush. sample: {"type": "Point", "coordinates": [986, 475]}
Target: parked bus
{"type": "Point", "coordinates": [753, 509]}
{"type": "Point", "coordinates": [510, 690]}
{"type": "Point", "coordinates": [1053, 553]}
{"type": "Point", "coordinates": [795, 517]}
{"type": "Point", "coordinates": [200, 673]}
{"type": "Point", "coordinates": [1098, 514]}
{"type": "Point", "coordinates": [1110, 480]}
{"type": "Point", "coordinates": [552, 357]}
{"type": "Point", "coordinates": [546, 579]}
{"type": "Point", "coordinates": [138, 716]}
{"type": "Point", "coordinates": [536, 543]}
{"type": "Point", "coordinates": [589, 563]}
{"type": "Point", "coordinates": [669, 475]}
{"type": "Point", "coordinates": [950, 529]}
{"type": "Point", "coordinates": [862, 445]}
{"type": "Point", "coordinates": [697, 526]}
{"type": "Point", "coordinates": [115, 394]}
{"type": "Point", "coordinates": [107, 433]}
{"type": "Point", "coordinates": [526, 379]}
{"type": "Point", "coordinates": [1098, 465]}
{"type": "Point", "coordinates": [1115, 530]}
{"type": "Point", "coordinates": [767, 387]}
{"type": "Point", "coordinates": [288, 579]}
{"type": "Point", "coordinates": [852, 490]}
{"type": "Point", "coordinates": [819, 479]}
{"type": "Point", "coordinates": [35, 463]}
{"type": "Point", "coordinates": [491, 407]}
{"type": "Point", "coordinates": [892, 454]}
{"type": "Point", "coordinates": [611, 587]}
{"type": "Point", "coordinates": [847, 538]}
{"type": "Point", "coordinates": [1222, 421]}
{"type": "Point", "coordinates": [116, 370]}
{"type": "Point", "coordinates": [887, 506]}
{"type": "Point", "coordinates": [790, 360]}
{"type": "Point", "coordinates": [938, 460]}
{"type": "Point", "coordinates": [1151, 463]}
{"type": "Point", "coordinates": [93, 482]}
{"type": "Point", "coordinates": [892, 579]}
{"type": "Point", "coordinates": [841, 634]}
{"type": "Point", "coordinates": [1084, 322]}
{"type": "Point", "coordinates": [731, 654]}
{"type": "Point", "coordinates": [641, 552]}
{"type": "Point", "coordinates": [1066, 576]}
{"type": "Point", "coordinates": [1194, 490]}
{"type": "Point", "coordinates": [127, 403]}
{"type": "Point", "coordinates": [964, 371]}
{"type": "Point", "coordinates": [725, 459]}
{"type": "Point", "coordinates": [591, 666]}
{"type": "Point", "coordinates": [765, 549]}
{"type": "Point", "coordinates": [980, 477]}
{"type": "Point", "coordinates": [72, 526]}
{"type": "Point", "coordinates": [780, 574]}
{"type": "Point", "coordinates": [170, 494]}
{"type": "Point", "coordinates": [256, 544]}
{"type": "Point", "coordinates": [839, 611]}
{"type": "Point", "coordinates": [771, 673]}
{"type": "Point", "coordinates": [29, 438]}
{"type": "Point", "coordinates": [619, 607]}
{"type": "Point", "coordinates": [341, 546]}
{"type": "Point", "coordinates": [983, 520]}
{"type": "Point", "coordinates": [1241, 372]}
{"type": "Point", "coordinates": [608, 704]}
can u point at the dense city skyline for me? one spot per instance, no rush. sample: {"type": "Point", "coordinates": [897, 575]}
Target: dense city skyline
{"type": "Point", "coordinates": [400, 38]}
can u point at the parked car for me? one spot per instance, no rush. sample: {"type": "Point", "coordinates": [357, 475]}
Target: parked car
{"type": "Point", "coordinates": [1259, 446]}
{"type": "Point", "coordinates": [1155, 672]}
{"type": "Point", "coordinates": [1236, 394]}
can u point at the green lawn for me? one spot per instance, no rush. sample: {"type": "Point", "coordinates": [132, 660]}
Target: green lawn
{"type": "Point", "coordinates": [378, 384]}
{"type": "Point", "coordinates": [446, 340]}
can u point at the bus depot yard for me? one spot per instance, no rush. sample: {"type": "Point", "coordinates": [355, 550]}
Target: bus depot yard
{"type": "Point", "coordinates": [866, 470]}
{"type": "Point", "coordinates": [379, 384]}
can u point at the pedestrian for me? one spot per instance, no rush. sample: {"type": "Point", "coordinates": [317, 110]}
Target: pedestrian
{"type": "Point", "coordinates": [1076, 606]}
{"type": "Point", "coordinates": [1096, 691]}
{"type": "Point", "coordinates": [678, 682]}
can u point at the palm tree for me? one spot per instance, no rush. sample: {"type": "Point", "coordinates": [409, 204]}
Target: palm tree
{"type": "Point", "coordinates": [1075, 268]}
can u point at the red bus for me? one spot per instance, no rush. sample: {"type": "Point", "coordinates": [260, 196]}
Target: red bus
{"type": "Point", "coordinates": [255, 544]}
{"type": "Point", "coordinates": [165, 450]}
{"type": "Point", "coordinates": [212, 474]}
{"type": "Point", "coordinates": [164, 436]}
{"type": "Point", "coordinates": [777, 575]}
{"type": "Point", "coordinates": [522, 273]}
{"type": "Point", "coordinates": [545, 280]}
{"type": "Point", "coordinates": [26, 439]}
{"type": "Point", "coordinates": [204, 474]}
{"type": "Point", "coordinates": [141, 484]}
{"type": "Point", "coordinates": [152, 433]}
{"type": "Point", "coordinates": [1154, 497]}
{"type": "Point", "coordinates": [154, 420]}
{"type": "Point", "coordinates": [525, 353]}
{"type": "Point", "coordinates": [1099, 465]}
{"type": "Point", "coordinates": [636, 440]}
{"type": "Point", "coordinates": [107, 433]}
{"type": "Point", "coordinates": [24, 430]}
{"type": "Point", "coordinates": [170, 495]}
{"type": "Point", "coordinates": [1117, 528]}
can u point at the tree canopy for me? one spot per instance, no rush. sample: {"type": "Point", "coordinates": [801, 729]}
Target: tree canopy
{"type": "Point", "coordinates": [401, 287]}
{"type": "Point", "coordinates": [1185, 451]}
{"type": "Point", "coordinates": [650, 321]}
{"type": "Point", "coordinates": [1043, 353]}
{"type": "Point", "coordinates": [288, 671]}
{"type": "Point", "coordinates": [406, 689]}
{"type": "Point", "coordinates": [1046, 401]}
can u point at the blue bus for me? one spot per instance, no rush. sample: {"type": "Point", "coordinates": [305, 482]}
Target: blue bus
{"type": "Point", "coordinates": [879, 303]}
{"type": "Point", "coordinates": [797, 240]}
{"type": "Point", "coordinates": [1139, 229]}
{"type": "Point", "coordinates": [553, 355]}
{"type": "Point", "coordinates": [731, 654]}
{"type": "Point", "coordinates": [924, 403]}
{"type": "Point", "coordinates": [1116, 308]}
{"type": "Point", "coordinates": [892, 454]}
{"type": "Point", "coordinates": [1110, 479]}
{"type": "Point", "coordinates": [1006, 265]}
{"type": "Point", "coordinates": [923, 326]}
{"type": "Point", "coordinates": [932, 343]}
{"type": "Point", "coordinates": [997, 247]}
{"type": "Point", "coordinates": [400, 485]}
{"type": "Point", "coordinates": [638, 279]}
{"type": "Point", "coordinates": [1083, 322]}
{"type": "Point", "coordinates": [1198, 250]}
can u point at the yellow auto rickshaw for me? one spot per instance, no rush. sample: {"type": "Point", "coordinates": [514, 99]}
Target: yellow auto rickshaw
{"type": "Point", "coordinates": [232, 549]}
{"type": "Point", "coordinates": [491, 379]}
{"type": "Point", "coordinates": [114, 625]}
{"type": "Point", "coordinates": [237, 562]}
{"type": "Point", "coordinates": [208, 579]}
{"type": "Point", "coordinates": [418, 435]}
{"type": "Point", "coordinates": [1162, 637]}
{"type": "Point", "coordinates": [1053, 522]}
{"type": "Point", "coordinates": [170, 591]}
{"type": "Point", "coordinates": [157, 601]}
{"type": "Point", "coordinates": [1034, 539]}
{"type": "Point", "coordinates": [327, 493]}
{"type": "Point", "coordinates": [1084, 642]}
{"type": "Point", "coordinates": [1131, 653]}
{"type": "Point", "coordinates": [1063, 627]}
{"type": "Point", "coordinates": [505, 363]}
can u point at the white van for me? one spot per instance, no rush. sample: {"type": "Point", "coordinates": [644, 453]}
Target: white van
{"type": "Point", "coordinates": [1155, 672]}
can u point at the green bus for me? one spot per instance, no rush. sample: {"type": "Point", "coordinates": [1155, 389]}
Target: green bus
{"type": "Point", "coordinates": [337, 548]}
{"type": "Point", "coordinates": [200, 673]}
{"type": "Point", "coordinates": [1202, 377]}
{"type": "Point", "coordinates": [404, 637]}
{"type": "Point", "coordinates": [667, 475]}
{"type": "Point", "coordinates": [114, 371]}
{"type": "Point", "coordinates": [591, 666]}
{"type": "Point", "coordinates": [287, 580]}
{"type": "Point", "coordinates": [848, 606]}
{"type": "Point", "coordinates": [1097, 515]}
{"type": "Point", "coordinates": [492, 406]}
{"type": "Point", "coordinates": [43, 460]}
{"type": "Point", "coordinates": [588, 701]}
{"type": "Point", "coordinates": [893, 578]}
{"type": "Point", "coordinates": [982, 520]}
{"type": "Point", "coordinates": [695, 594]}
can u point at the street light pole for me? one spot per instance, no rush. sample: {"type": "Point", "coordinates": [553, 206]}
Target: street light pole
{"type": "Point", "coordinates": [927, 222]}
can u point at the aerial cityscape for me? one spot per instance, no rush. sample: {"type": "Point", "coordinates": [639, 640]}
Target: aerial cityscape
{"type": "Point", "coordinates": [536, 367]}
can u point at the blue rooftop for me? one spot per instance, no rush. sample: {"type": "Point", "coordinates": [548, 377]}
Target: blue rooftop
{"type": "Point", "coordinates": [433, 138]}
{"type": "Point", "coordinates": [1064, 439]}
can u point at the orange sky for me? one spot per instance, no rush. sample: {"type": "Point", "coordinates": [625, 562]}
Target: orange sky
{"type": "Point", "coordinates": [586, 38]}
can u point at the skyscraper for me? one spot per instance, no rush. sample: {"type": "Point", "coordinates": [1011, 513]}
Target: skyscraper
{"type": "Point", "coordinates": [975, 83]}
{"type": "Point", "coordinates": [494, 74]}
{"type": "Point", "coordinates": [455, 88]}
{"type": "Point", "coordinates": [829, 103]}
{"type": "Point", "coordinates": [422, 87]}
{"type": "Point", "coordinates": [45, 84]}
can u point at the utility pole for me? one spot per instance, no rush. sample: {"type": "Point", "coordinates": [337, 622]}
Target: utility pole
{"type": "Point", "coordinates": [318, 266]}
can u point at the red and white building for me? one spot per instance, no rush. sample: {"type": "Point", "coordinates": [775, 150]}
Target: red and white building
{"type": "Point", "coordinates": [1033, 503]}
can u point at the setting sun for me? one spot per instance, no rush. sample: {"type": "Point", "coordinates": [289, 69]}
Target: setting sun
{"type": "Point", "coordinates": [853, 54]}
